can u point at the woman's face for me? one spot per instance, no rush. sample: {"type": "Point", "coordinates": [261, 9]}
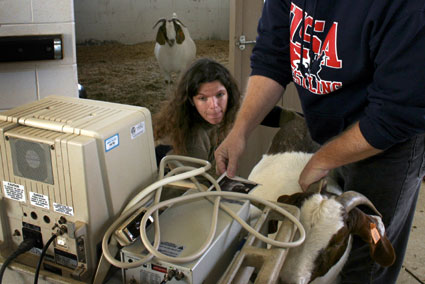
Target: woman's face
{"type": "Point", "coordinates": [211, 101]}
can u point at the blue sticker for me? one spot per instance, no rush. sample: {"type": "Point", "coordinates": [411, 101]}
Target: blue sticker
{"type": "Point", "coordinates": [112, 142]}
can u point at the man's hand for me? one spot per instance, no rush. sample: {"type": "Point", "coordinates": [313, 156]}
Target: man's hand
{"type": "Point", "coordinates": [261, 96]}
{"type": "Point", "coordinates": [228, 153]}
{"type": "Point", "coordinates": [349, 147]}
{"type": "Point", "coordinates": [311, 174]}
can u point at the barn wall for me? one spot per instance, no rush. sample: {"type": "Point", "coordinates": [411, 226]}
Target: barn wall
{"type": "Point", "coordinates": [131, 21]}
{"type": "Point", "coordinates": [26, 81]}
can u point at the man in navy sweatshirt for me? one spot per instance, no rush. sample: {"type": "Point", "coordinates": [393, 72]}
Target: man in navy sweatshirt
{"type": "Point", "coordinates": [359, 68]}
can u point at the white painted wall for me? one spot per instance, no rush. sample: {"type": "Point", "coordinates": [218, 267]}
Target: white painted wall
{"type": "Point", "coordinates": [131, 21]}
{"type": "Point", "coordinates": [22, 82]}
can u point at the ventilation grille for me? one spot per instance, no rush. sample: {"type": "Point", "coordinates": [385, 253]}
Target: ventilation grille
{"type": "Point", "coordinates": [31, 160]}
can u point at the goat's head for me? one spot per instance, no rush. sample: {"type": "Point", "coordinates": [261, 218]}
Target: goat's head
{"type": "Point", "coordinates": [170, 31]}
{"type": "Point", "coordinates": [330, 221]}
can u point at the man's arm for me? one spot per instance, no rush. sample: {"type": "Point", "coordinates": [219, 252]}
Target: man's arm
{"type": "Point", "coordinates": [261, 95]}
{"type": "Point", "coordinates": [349, 147]}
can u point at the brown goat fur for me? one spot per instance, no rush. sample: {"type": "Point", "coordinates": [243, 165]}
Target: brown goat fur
{"type": "Point", "coordinates": [359, 224]}
{"type": "Point", "coordinates": [331, 254]}
{"type": "Point", "coordinates": [356, 223]}
{"type": "Point", "coordinates": [161, 35]}
{"type": "Point", "coordinates": [179, 31]}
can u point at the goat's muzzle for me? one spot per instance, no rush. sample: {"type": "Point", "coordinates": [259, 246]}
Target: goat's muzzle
{"type": "Point", "coordinates": [171, 42]}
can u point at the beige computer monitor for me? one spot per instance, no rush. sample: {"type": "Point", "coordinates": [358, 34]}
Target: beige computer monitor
{"type": "Point", "coordinates": [74, 163]}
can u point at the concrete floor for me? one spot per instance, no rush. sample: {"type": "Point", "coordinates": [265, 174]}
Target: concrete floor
{"type": "Point", "coordinates": [413, 271]}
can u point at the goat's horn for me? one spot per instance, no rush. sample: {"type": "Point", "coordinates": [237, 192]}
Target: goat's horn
{"type": "Point", "coordinates": [177, 20]}
{"type": "Point", "coordinates": [318, 186]}
{"type": "Point", "coordinates": [351, 199]}
{"type": "Point", "coordinates": [159, 21]}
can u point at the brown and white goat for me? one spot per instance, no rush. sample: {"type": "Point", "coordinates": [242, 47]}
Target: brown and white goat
{"type": "Point", "coordinates": [330, 221]}
{"type": "Point", "coordinates": [174, 48]}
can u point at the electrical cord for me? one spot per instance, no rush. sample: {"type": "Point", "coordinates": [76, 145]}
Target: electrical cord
{"type": "Point", "coordinates": [247, 227]}
{"type": "Point", "coordinates": [176, 174]}
{"type": "Point", "coordinates": [137, 202]}
{"type": "Point", "coordinates": [23, 247]}
{"type": "Point", "coordinates": [43, 253]}
{"type": "Point", "coordinates": [190, 174]}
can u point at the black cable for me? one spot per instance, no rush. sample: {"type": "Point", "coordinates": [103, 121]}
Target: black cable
{"type": "Point", "coordinates": [23, 247]}
{"type": "Point", "coordinates": [40, 260]}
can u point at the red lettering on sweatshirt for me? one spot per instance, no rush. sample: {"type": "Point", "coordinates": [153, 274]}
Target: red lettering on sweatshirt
{"type": "Point", "coordinates": [325, 53]}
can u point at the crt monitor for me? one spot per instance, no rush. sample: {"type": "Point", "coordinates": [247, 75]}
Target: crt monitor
{"type": "Point", "coordinates": [73, 164]}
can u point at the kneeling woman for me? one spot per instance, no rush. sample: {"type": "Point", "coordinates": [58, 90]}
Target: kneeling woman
{"type": "Point", "coordinates": [200, 112]}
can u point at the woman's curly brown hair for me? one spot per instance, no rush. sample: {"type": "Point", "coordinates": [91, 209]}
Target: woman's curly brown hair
{"type": "Point", "coordinates": [178, 116]}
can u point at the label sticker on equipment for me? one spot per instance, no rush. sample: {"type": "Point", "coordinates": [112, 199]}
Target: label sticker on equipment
{"type": "Point", "coordinates": [170, 249]}
{"type": "Point", "coordinates": [39, 200]}
{"type": "Point", "coordinates": [14, 191]}
{"type": "Point", "coordinates": [112, 142]}
{"type": "Point", "coordinates": [137, 130]}
{"type": "Point", "coordinates": [67, 210]}
{"type": "Point", "coordinates": [150, 277]}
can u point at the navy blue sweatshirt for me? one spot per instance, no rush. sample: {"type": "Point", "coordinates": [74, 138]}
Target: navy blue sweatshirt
{"type": "Point", "coordinates": [363, 61]}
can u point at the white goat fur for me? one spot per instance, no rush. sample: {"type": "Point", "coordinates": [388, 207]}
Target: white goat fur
{"type": "Point", "coordinates": [278, 175]}
{"type": "Point", "coordinates": [177, 57]}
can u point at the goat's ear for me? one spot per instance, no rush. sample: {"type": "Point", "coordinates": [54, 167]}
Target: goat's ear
{"type": "Point", "coordinates": [179, 32]}
{"type": "Point", "coordinates": [161, 35]}
{"type": "Point", "coordinates": [363, 225]}
{"type": "Point", "coordinates": [295, 199]}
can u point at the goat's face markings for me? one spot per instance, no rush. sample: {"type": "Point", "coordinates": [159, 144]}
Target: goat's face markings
{"type": "Point", "coordinates": [168, 34]}
{"type": "Point", "coordinates": [325, 242]}
{"type": "Point", "coordinates": [179, 32]}
{"type": "Point", "coordinates": [295, 199]}
{"type": "Point", "coordinates": [330, 255]}
{"type": "Point", "coordinates": [161, 35]}
{"type": "Point", "coordinates": [353, 222]}
{"type": "Point", "coordinates": [174, 48]}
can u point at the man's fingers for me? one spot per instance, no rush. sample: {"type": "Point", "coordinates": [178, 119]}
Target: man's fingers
{"type": "Point", "coordinates": [220, 165]}
{"type": "Point", "coordinates": [221, 159]}
{"type": "Point", "coordinates": [310, 175]}
{"type": "Point", "coordinates": [232, 166]}
{"type": "Point", "coordinates": [227, 154]}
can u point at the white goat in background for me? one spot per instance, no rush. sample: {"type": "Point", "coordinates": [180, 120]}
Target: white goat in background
{"type": "Point", "coordinates": [174, 48]}
{"type": "Point", "coordinates": [329, 219]}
